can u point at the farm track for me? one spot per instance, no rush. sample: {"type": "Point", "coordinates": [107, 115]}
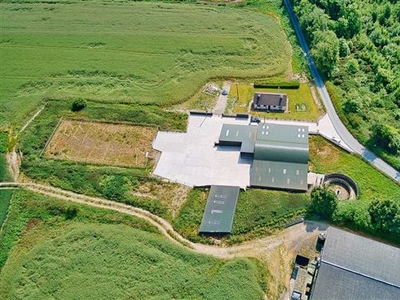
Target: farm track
{"type": "Point", "coordinates": [255, 248]}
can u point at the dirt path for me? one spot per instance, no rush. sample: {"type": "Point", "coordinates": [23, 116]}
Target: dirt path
{"type": "Point", "coordinates": [276, 251]}
{"type": "Point", "coordinates": [31, 119]}
{"type": "Point", "coordinates": [256, 247]}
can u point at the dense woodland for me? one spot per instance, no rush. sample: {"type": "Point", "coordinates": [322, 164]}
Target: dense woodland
{"type": "Point", "coordinates": [356, 45]}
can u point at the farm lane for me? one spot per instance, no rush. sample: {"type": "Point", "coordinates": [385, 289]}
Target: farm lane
{"type": "Point", "coordinates": [342, 133]}
{"type": "Point", "coordinates": [255, 248]}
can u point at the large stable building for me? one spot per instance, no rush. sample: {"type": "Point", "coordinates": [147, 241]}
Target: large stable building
{"type": "Point", "coordinates": [280, 153]}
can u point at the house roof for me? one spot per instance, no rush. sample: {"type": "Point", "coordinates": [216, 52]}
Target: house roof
{"type": "Point", "coordinates": [270, 99]}
{"type": "Point", "coordinates": [220, 209]}
{"type": "Point", "coordinates": [354, 267]}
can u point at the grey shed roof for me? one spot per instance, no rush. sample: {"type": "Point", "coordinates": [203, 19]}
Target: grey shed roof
{"type": "Point", "coordinates": [270, 99]}
{"type": "Point", "coordinates": [354, 267]}
{"type": "Point", "coordinates": [280, 157]}
{"type": "Point", "coordinates": [220, 209]}
{"type": "Point", "coordinates": [276, 174]}
{"type": "Point", "coordinates": [238, 135]}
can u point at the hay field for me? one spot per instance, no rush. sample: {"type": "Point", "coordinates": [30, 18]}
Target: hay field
{"type": "Point", "coordinates": [131, 52]}
{"type": "Point", "coordinates": [102, 143]}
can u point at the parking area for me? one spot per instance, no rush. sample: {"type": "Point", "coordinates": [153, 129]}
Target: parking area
{"type": "Point", "coordinates": [192, 159]}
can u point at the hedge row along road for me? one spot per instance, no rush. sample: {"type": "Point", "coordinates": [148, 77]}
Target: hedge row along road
{"type": "Point", "coordinates": [341, 130]}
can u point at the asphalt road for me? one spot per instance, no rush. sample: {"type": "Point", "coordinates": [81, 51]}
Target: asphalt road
{"type": "Point", "coordinates": [341, 130]}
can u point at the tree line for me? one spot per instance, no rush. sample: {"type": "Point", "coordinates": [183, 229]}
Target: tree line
{"type": "Point", "coordinates": [356, 46]}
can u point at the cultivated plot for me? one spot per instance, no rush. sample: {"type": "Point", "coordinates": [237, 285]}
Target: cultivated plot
{"type": "Point", "coordinates": [102, 143]}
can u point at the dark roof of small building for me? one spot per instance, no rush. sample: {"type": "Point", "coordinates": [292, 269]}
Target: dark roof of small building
{"type": "Point", "coordinates": [354, 267]}
{"type": "Point", "coordinates": [220, 209]}
{"type": "Point", "coordinates": [270, 99]}
{"type": "Point", "coordinates": [240, 135]}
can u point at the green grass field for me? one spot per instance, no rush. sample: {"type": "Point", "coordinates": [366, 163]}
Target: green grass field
{"type": "Point", "coordinates": [326, 158]}
{"type": "Point", "coordinates": [97, 254]}
{"type": "Point", "coordinates": [136, 52]}
{"type": "Point", "coordinates": [241, 95]}
{"type": "Point", "coordinates": [257, 211]}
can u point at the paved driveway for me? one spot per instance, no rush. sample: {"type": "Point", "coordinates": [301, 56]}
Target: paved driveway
{"type": "Point", "coordinates": [192, 159]}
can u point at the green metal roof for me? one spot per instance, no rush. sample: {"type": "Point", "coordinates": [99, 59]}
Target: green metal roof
{"type": "Point", "coordinates": [281, 175]}
{"type": "Point", "coordinates": [294, 134]}
{"type": "Point", "coordinates": [238, 135]}
{"type": "Point", "coordinates": [220, 209]}
{"type": "Point", "coordinates": [280, 151]}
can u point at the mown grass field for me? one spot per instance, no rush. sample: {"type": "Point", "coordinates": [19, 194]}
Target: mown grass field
{"type": "Point", "coordinates": [241, 95]}
{"type": "Point", "coordinates": [97, 254]}
{"type": "Point", "coordinates": [136, 52]}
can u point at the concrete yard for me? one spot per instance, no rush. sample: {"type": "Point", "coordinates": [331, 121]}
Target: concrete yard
{"type": "Point", "coordinates": [192, 159]}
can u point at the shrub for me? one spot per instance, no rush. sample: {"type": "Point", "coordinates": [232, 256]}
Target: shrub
{"type": "Point", "coordinates": [78, 105]}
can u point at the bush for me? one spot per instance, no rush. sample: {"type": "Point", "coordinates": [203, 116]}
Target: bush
{"type": "Point", "coordinates": [78, 105]}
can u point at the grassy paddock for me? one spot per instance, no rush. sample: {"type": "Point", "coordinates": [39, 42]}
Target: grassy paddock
{"type": "Point", "coordinates": [301, 97]}
{"type": "Point", "coordinates": [115, 183]}
{"type": "Point", "coordinates": [175, 50]}
{"type": "Point", "coordinates": [94, 254]}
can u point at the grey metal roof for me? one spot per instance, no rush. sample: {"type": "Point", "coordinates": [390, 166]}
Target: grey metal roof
{"type": "Point", "coordinates": [336, 284]}
{"type": "Point", "coordinates": [270, 99]}
{"type": "Point", "coordinates": [280, 153]}
{"type": "Point", "coordinates": [294, 134]}
{"type": "Point", "coordinates": [220, 209]}
{"type": "Point", "coordinates": [358, 264]}
{"type": "Point", "coordinates": [238, 135]}
{"type": "Point", "coordinates": [282, 175]}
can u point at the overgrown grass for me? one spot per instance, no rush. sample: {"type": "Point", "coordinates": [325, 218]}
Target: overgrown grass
{"type": "Point", "coordinates": [174, 50]}
{"type": "Point", "coordinates": [97, 254]}
{"type": "Point", "coordinates": [257, 212]}
{"type": "Point", "coordinates": [5, 195]}
{"type": "Point", "coordinates": [114, 183]}
{"type": "Point", "coordinates": [5, 198]}
{"type": "Point", "coordinates": [327, 158]}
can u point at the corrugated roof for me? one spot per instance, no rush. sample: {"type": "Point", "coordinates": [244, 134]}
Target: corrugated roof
{"type": "Point", "coordinates": [362, 268]}
{"type": "Point", "coordinates": [336, 284]}
{"type": "Point", "coordinates": [282, 175]}
{"type": "Point", "coordinates": [220, 209]}
{"type": "Point", "coordinates": [282, 133]}
{"type": "Point", "coordinates": [239, 135]}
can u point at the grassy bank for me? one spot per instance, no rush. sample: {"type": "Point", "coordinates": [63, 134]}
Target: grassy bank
{"type": "Point", "coordinates": [176, 48]}
{"type": "Point", "coordinates": [70, 251]}
{"type": "Point", "coordinates": [327, 158]}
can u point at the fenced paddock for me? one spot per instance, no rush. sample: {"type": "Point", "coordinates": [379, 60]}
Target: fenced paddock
{"type": "Point", "coordinates": [102, 143]}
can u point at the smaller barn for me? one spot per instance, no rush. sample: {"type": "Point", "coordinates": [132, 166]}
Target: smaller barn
{"type": "Point", "coordinates": [271, 102]}
{"type": "Point", "coordinates": [220, 209]}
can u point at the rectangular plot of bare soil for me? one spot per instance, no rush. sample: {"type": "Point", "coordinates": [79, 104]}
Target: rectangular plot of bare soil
{"type": "Point", "coordinates": [102, 143]}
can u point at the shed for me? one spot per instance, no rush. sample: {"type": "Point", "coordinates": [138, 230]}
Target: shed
{"type": "Point", "coordinates": [220, 209]}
